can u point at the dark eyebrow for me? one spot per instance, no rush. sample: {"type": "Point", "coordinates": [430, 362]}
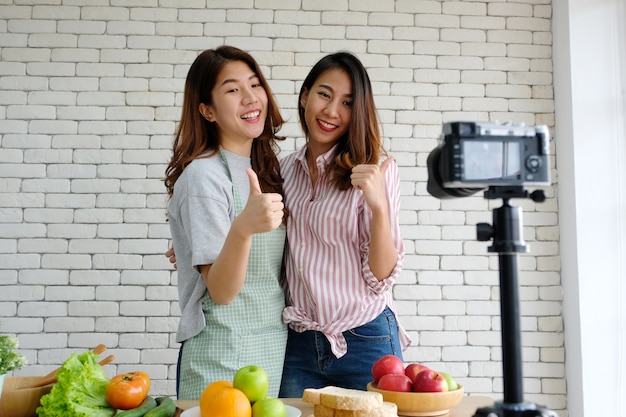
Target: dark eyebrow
{"type": "Point", "coordinates": [328, 87]}
{"type": "Point", "coordinates": [232, 80]}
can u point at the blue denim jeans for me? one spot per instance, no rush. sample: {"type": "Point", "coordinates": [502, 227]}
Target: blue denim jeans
{"type": "Point", "coordinates": [180, 355]}
{"type": "Point", "coordinates": [309, 362]}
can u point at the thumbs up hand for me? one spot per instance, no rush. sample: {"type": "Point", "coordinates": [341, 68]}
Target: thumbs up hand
{"type": "Point", "coordinates": [264, 211]}
{"type": "Point", "coordinates": [255, 187]}
{"type": "Point", "coordinates": [370, 179]}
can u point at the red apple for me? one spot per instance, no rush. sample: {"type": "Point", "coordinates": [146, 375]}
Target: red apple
{"type": "Point", "coordinates": [430, 381]}
{"type": "Point", "coordinates": [388, 364]}
{"type": "Point", "coordinates": [413, 369]}
{"type": "Point", "coordinates": [395, 382]}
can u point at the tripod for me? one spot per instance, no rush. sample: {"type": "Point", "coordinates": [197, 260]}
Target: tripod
{"type": "Point", "coordinates": [506, 233]}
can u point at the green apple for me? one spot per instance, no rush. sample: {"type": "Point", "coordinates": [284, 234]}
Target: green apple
{"type": "Point", "coordinates": [452, 384]}
{"type": "Point", "coordinates": [253, 381]}
{"type": "Point", "coordinates": [269, 407]}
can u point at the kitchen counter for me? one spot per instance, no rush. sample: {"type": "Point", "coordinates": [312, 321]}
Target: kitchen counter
{"type": "Point", "coordinates": [466, 408]}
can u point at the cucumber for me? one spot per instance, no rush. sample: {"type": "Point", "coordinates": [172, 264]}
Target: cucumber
{"type": "Point", "coordinates": [165, 408]}
{"type": "Point", "coordinates": [148, 404]}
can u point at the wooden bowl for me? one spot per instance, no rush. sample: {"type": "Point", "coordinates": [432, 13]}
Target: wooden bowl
{"type": "Point", "coordinates": [21, 402]}
{"type": "Point", "coordinates": [421, 404]}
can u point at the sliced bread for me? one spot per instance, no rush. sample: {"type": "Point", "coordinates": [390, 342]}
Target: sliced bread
{"type": "Point", "coordinates": [388, 409]}
{"type": "Point", "coordinates": [342, 398]}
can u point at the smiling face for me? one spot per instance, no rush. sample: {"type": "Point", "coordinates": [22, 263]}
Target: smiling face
{"type": "Point", "coordinates": [327, 109]}
{"type": "Point", "coordinates": [239, 107]}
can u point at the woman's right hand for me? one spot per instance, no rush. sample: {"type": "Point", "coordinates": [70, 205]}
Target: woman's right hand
{"type": "Point", "coordinates": [171, 256]}
{"type": "Point", "coordinates": [263, 211]}
{"type": "Point", "coordinates": [225, 278]}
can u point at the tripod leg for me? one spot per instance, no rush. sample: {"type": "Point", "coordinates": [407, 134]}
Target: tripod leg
{"type": "Point", "coordinates": [511, 331]}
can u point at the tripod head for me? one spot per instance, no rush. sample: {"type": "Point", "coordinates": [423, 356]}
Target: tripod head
{"type": "Point", "coordinates": [508, 192]}
{"type": "Point", "coordinates": [506, 230]}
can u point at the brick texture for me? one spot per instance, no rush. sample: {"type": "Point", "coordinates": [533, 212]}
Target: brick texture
{"type": "Point", "coordinates": [89, 98]}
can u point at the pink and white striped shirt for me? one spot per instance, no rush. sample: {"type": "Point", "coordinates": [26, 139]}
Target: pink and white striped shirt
{"type": "Point", "coordinates": [331, 287]}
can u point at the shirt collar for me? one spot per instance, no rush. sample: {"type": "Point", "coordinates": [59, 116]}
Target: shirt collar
{"type": "Point", "coordinates": [325, 157]}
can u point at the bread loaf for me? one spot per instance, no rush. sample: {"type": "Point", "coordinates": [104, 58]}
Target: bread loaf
{"type": "Point", "coordinates": [388, 409]}
{"type": "Point", "coordinates": [342, 398]}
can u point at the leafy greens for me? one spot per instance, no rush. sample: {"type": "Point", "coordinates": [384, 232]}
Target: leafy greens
{"type": "Point", "coordinates": [80, 390]}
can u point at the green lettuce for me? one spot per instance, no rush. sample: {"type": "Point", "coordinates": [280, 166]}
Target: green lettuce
{"type": "Point", "coordinates": [80, 390]}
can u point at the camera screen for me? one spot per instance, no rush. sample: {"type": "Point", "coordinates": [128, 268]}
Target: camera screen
{"type": "Point", "coordinates": [487, 160]}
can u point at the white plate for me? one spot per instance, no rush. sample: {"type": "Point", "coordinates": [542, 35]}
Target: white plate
{"type": "Point", "coordinates": [195, 412]}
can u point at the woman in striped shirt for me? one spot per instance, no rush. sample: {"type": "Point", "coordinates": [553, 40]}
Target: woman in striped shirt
{"type": "Point", "coordinates": [344, 249]}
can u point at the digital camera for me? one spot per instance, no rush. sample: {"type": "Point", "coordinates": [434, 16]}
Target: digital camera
{"type": "Point", "coordinates": [473, 156]}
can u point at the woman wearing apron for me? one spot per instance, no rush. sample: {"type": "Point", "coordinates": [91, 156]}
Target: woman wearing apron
{"type": "Point", "coordinates": [227, 223]}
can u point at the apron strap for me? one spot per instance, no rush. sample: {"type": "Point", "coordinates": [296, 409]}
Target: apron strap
{"type": "Point", "coordinates": [236, 195]}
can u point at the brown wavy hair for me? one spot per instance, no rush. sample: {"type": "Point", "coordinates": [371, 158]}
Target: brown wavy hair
{"type": "Point", "coordinates": [362, 143]}
{"type": "Point", "coordinates": [196, 137]}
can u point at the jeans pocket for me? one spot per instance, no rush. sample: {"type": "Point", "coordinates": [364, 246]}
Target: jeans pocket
{"type": "Point", "coordinates": [380, 329]}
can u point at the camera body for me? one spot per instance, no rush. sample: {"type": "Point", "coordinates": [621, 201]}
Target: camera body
{"type": "Point", "coordinates": [476, 155]}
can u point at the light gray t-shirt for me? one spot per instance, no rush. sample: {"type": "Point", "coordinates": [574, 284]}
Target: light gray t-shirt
{"type": "Point", "coordinates": [200, 214]}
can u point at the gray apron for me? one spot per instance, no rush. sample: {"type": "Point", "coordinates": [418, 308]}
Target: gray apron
{"type": "Point", "coordinates": [250, 330]}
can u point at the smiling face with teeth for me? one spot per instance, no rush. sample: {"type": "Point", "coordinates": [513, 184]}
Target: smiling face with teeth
{"type": "Point", "coordinates": [238, 108]}
{"type": "Point", "coordinates": [327, 109]}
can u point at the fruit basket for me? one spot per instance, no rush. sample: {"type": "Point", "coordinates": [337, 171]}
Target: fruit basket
{"type": "Point", "coordinates": [421, 404]}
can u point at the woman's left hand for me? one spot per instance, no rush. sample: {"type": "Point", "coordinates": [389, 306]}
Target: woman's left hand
{"type": "Point", "coordinates": [370, 179]}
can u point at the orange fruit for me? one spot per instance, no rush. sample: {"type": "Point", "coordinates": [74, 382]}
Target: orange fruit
{"type": "Point", "coordinates": [212, 388]}
{"type": "Point", "coordinates": [220, 399]}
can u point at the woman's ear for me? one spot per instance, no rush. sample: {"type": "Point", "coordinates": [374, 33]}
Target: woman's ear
{"type": "Point", "coordinates": [304, 98]}
{"type": "Point", "coordinates": [207, 112]}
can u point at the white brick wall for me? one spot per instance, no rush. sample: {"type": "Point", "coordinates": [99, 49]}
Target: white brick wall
{"type": "Point", "coordinates": [90, 93]}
